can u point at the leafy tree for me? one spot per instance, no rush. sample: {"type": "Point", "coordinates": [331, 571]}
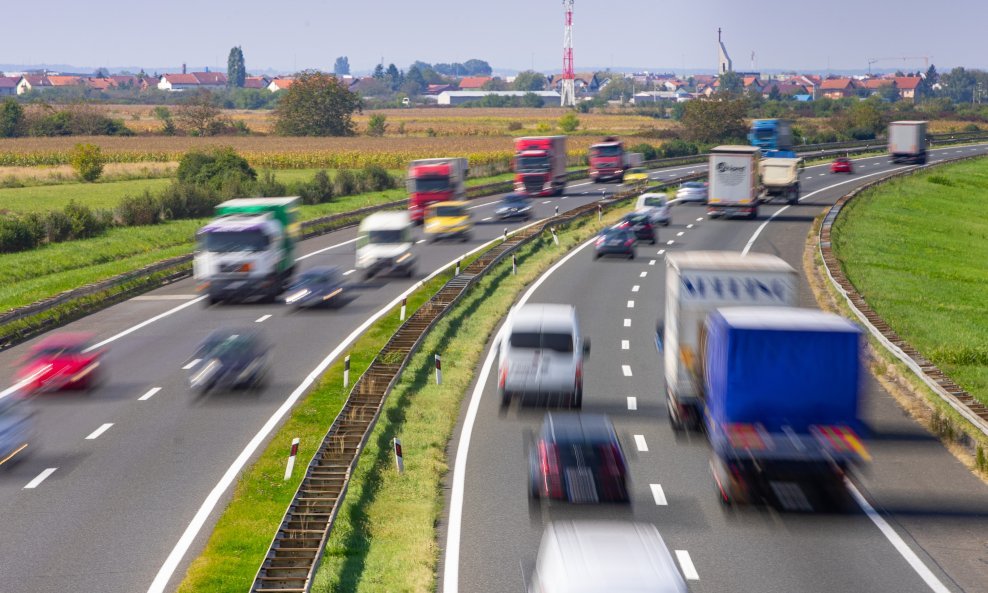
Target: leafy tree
{"type": "Point", "coordinates": [236, 72]}
{"type": "Point", "coordinates": [569, 123]}
{"type": "Point", "coordinates": [715, 120]}
{"type": "Point", "coordinates": [342, 66]}
{"type": "Point", "coordinates": [379, 72]}
{"type": "Point", "coordinates": [165, 115]}
{"type": "Point", "coordinates": [495, 84]}
{"type": "Point", "coordinates": [215, 168]}
{"type": "Point", "coordinates": [477, 68]}
{"type": "Point", "coordinates": [532, 100]}
{"type": "Point", "coordinates": [12, 121]}
{"type": "Point", "coordinates": [889, 93]}
{"type": "Point", "coordinates": [530, 81]}
{"type": "Point", "coordinates": [730, 83]}
{"type": "Point", "coordinates": [774, 94]}
{"type": "Point", "coordinates": [377, 125]}
{"type": "Point", "coordinates": [101, 72]}
{"type": "Point", "coordinates": [394, 77]}
{"type": "Point", "coordinates": [198, 112]}
{"type": "Point", "coordinates": [88, 161]}
{"type": "Point", "coordinates": [316, 104]}
{"type": "Point", "coordinates": [958, 85]}
{"type": "Point", "coordinates": [618, 88]}
{"type": "Point", "coordinates": [415, 82]}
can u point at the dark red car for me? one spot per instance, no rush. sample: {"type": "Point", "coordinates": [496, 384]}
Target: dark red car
{"type": "Point", "coordinates": [841, 165]}
{"type": "Point", "coordinates": [61, 361]}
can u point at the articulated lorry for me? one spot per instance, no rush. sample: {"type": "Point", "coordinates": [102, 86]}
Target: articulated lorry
{"type": "Point", "coordinates": [773, 137]}
{"type": "Point", "coordinates": [540, 165]}
{"type": "Point", "coordinates": [435, 180]}
{"type": "Point", "coordinates": [735, 184]}
{"type": "Point", "coordinates": [782, 393]}
{"type": "Point", "coordinates": [780, 178]}
{"type": "Point", "coordinates": [697, 282]}
{"type": "Point", "coordinates": [248, 250]}
{"type": "Point", "coordinates": [907, 142]}
{"type": "Point", "coordinates": [609, 160]}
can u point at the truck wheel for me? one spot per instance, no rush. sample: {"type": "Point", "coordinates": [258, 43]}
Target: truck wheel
{"type": "Point", "coordinates": [505, 399]}
{"type": "Point", "coordinates": [675, 423]}
{"type": "Point", "coordinates": [577, 402]}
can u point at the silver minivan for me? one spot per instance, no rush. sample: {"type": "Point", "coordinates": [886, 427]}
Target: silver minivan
{"type": "Point", "coordinates": [541, 356]}
{"type": "Point", "coordinates": [657, 207]}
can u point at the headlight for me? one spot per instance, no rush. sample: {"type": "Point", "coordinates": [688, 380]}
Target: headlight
{"type": "Point", "coordinates": [297, 296]}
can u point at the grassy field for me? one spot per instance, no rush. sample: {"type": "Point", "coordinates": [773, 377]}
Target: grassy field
{"type": "Point", "coordinates": [916, 250]}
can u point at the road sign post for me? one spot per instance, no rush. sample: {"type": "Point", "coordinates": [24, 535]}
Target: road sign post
{"type": "Point", "coordinates": [291, 459]}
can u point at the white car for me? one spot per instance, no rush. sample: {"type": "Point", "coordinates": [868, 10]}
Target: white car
{"type": "Point", "coordinates": [692, 191]}
{"type": "Point", "coordinates": [657, 207]}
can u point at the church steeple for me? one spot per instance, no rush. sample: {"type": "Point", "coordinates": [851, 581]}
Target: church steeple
{"type": "Point", "coordinates": [724, 63]}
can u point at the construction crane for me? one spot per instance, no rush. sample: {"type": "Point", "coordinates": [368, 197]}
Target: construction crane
{"type": "Point", "coordinates": [926, 61]}
{"type": "Point", "coordinates": [567, 92]}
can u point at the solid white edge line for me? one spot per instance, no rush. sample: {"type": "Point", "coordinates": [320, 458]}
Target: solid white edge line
{"type": "Point", "coordinates": [96, 433]}
{"type": "Point", "coordinates": [325, 249]}
{"type": "Point", "coordinates": [659, 495]}
{"type": "Point", "coordinates": [143, 324]}
{"type": "Point", "coordinates": [451, 569]}
{"type": "Point", "coordinates": [640, 443]}
{"type": "Point", "coordinates": [686, 563]}
{"type": "Point", "coordinates": [348, 272]}
{"type": "Point", "coordinates": [175, 557]}
{"type": "Point", "coordinates": [151, 393]}
{"type": "Point", "coordinates": [632, 403]}
{"type": "Point", "coordinates": [41, 478]}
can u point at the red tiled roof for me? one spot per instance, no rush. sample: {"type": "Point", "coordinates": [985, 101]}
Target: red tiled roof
{"type": "Point", "coordinates": [907, 83]}
{"type": "Point", "coordinates": [837, 84]}
{"type": "Point", "coordinates": [64, 80]}
{"type": "Point", "coordinates": [474, 82]}
{"type": "Point", "coordinates": [100, 84]}
{"type": "Point", "coordinates": [9, 82]}
{"type": "Point", "coordinates": [37, 80]}
{"type": "Point", "coordinates": [256, 82]}
{"type": "Point", "coordinates": [125, 79]}
{"type": "Point", "coordinates": [181, 78]}
{"type": "Point", "coordinates": [282, 83]}
{"type": "Point", "coordinates": [210, 77]}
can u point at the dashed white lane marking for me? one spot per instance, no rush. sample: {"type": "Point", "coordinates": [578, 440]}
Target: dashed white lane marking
{"type": "Point", "coordinates": [191, 364]}
{"type": "Point", "coordinates": [41, 478]}
{"type": "Point", "coordinates": [631, 304]}
{"type": "Point", "coordinates": [165, 297]}
{"type": "Point", "coordinates": [661, 251]}
{"type": "Point", "coordinates": [627, 323]}
{"type": "Point", "coordinates": [420, 241]}
{"type": "Point", "coordinates": [262, 319]}
{"type": "Point", "coordinates": [632, 403]}
{"type": "Point", "coordinates": [670, 241]}
{"type": "Point", "coordinates": [651, 262]}
{"type": "Point", "coordinates": [640, 443]}
{"type": "Point", "coordinates": [680, 233]}
{"type": "Point", "coordinates": [643, 274]}
{"type": "Point", "coordinates": [658, 495]}
{"type": "Point", "coordinates": [626, 370]}
{"type": "Point", "coordinates": [635, 288]}
{"type": "Point", "coordinates": [625, 345]}
{"type": "Point", "coordinates": [348, 272]}
{"type": "Point", "coordinates": [689, 571]}
{"type": "Point", "coordinates": [565, 197]}
{"type": "Point", "coordinates": [546, 201]}
{"type": "Point", "coordinates": [486, 219]}
{"type": "Point", "coordinates": [699, 219]}
{"type": "Point", "coordinates": [155, 390]}
{"type": "Point", "coordinates": [95, 434]}
{"type": "Point", "coordinates": [689, 226]}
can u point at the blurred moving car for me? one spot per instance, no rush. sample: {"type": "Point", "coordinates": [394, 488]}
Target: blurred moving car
{"type": "Point", "coordinates": [656, 206]}
{"type": "Point", "coordinates": [61, 361]}
{"type": "Point", "coordinates": [447, 220]}
{"type": "Point", "coordinates": [615, 241]}
{"type": "Point", "coordinates": [636, 175]}
{"type": "Point", "coordinates": [317, 287]}
{"type": "Point", "coordinates": [641, 225]}
{"type": "Point", "coordinates": [229, 358]}
{"type": "Point", "coordinates": [578, 458]}
{"type": "Point", "coordinates": [841, 164]}
{"type": "Point", "coordinates": [541, 356]}
{"type": "Point", "coordinates": [613, 556]}
{"type": "Point", "coordinates": [16, 427]}
{"type": "Point", "coordinates": [385, 244]}
{"type": "Point", "coordinates": [515, 206]}
{"type": "Point", "coordinates": [692, 191]}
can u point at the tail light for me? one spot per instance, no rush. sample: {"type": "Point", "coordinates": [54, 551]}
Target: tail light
{"type": "Point", "coordinates": [552, 479]}
{"type": "Point", "coordinates": [503, 376]}
{"type": "Point", "coordinates": [600, 241]}
{"type": "Point", "coordinates": [746, 436]}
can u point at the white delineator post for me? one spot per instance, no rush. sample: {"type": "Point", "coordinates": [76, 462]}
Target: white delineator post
{"type": "Point", "coordinates": [457, 268]}
{"type": "Point", "coordinates": [600, 212]}
{"type": "Point", "coordinates": [346, 371]}
{"type": "Point", "coordinates": [514, 264]}
{"type": "Point", "coordinates": [404, 303]}
{"type": "Point", "coordinates": [291, 459]}
{"type": "Point", "coordinates": [505, 236]}
{"type": "Point", "coordinates": [399, 458]}
{"type": "Point", "coordinates": [555, 238]}
{"type": "Point", "coordinates": [557, 210]}
{"type": "Point", "coordinates": [439, 370]}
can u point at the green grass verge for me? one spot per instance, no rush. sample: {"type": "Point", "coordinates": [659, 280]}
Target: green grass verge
{"type": "Point", "coordinates": [916, 250]}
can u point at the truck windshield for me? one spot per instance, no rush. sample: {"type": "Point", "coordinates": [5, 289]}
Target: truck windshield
{"type": "Point", "coordinates": [765, 135]}
{"type": "Point", "coordinates": [608, 151]}
{"type": "Point", "coordinates": [387, 236]}
{"type": "Point", "coordinates": [431, 183]}
{"type": "Point", "coordinates": [531, 164]}
{"type": "Point", "coordinates": [226, 241]}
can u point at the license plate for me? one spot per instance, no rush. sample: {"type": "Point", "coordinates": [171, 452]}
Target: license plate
{"type": "Point", "coordinates": [614, 242]}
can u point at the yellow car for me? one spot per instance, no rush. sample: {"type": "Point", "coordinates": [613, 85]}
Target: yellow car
{"type": "Point", "coordinates": [635, 176]}
{"type": "Point", "coordinates": [448, 220]}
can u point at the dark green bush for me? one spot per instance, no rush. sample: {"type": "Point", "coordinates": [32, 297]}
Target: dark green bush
{"type": "Point", "coordinates": [376, 178]}
{"type": "Point", "coordinates": [647, 150]}
{"type": "Point", "coordinates": [16, 235]}
{"type": "Point", "coordinates": [215, 169]}
{"type": "Point", "coordinates": [141, 210]}
{"type": "Point", "coordinates": [268, 186]}
{"type": "Point", "coordinates": [317, 191]}
{"type": "Point", "coordinates": [676, 148]}
{"type": "Point", "coordinates": [344, 183]}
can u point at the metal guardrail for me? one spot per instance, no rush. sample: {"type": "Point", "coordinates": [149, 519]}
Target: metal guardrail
{"type": "Point", "coordinates": [954, 395]}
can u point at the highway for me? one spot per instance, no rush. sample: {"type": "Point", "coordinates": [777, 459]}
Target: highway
{"type": "Point", "coordinates": [921, 519]}
{"type": "Point", "coordinates": [122, 486]}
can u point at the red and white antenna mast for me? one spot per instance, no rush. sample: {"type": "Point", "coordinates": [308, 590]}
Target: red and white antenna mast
{"type": "Point", "coordinates": [568, 90]}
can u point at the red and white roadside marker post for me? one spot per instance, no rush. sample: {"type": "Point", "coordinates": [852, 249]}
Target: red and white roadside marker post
{"type": "Point", "coordinates": [457, 273]}
{"type": "Point", "coordinates": [404, 304]}
{"type": "Point", "coordinates": [439, 370]}
{"type": "Point", "coordinates": [399, 459]}
{"type": "Point", "coordinates": [346, 371]}
{"type": "Point", "coordinates": [291, 459]}
{"type": "Point", "coordinates": [514, 264]}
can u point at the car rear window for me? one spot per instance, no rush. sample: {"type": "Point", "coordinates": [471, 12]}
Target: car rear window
{"type": "Point", "coordinates": [560, 342]}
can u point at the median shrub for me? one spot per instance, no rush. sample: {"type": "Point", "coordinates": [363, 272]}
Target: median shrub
{"type": "Point", "coordinates": [140, 210]}
{"type": "Point", "coordinates": [215, 169]}
{"type": "Point", "coordinates": [317, 191]}
{"type": "Point", "coordinates": [344, 183]}
{"type": "Point", "coordinates": [75, 221]}
{"type": "Point", "coordinates": [375, 178]}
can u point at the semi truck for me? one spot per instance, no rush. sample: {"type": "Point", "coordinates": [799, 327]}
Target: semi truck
{"type": "Point", "coordinates": [907, 142]}
{"type": "Point", "coordinates": [735, 184]}
{"type": "Point", "coordinates": [609, 160]}
{"type": "Point", "coordinates": [540, 165]}
{"type": "Point", "coordinates": [780, 178]}
{"type": "Point", "coordinates": [782, 390]}
{"type": "Point", "coordinates": [248, 250]}
{"type": "Point", "coordinates": [435, 180]}
{"type": "Point", "coordinates": [773, 137]}
{"type": "Point", "coordinates": [697, 282]}
{"type": "Point", "coordinates": [385, 245]}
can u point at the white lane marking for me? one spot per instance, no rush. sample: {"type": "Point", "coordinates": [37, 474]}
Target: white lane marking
{"type": "Point", "coordinates": [95, 434]}
{"type": "Point", "coordinates": [192, 363]}
{"type": "Point", "coordinates": [164, 297]}
{"type": "Point", "coordinates": [41, 478]}
{"type": "Point", "coordinates": [565, 197]}
{"type": "Point", "coordinates": [420, 241]}
{"type": "Point", "coordinates": [897, 542]}
{"type": "Point", "coordinates": [151, 392]}
{"type": "Point", "coordinates": [451, 570]}
{"type": "Point", "coordinates": [635, 288]}
{"type": "Point", "coordinates": [142, 324]}
{"type": "Point", "coordinates": [680, 233]}
{"type": "Point", "coordinates": [643, 274]}
{"type": "Point", "coordinates": [762, 226]}
{"type": "Point", "coordinates": [658, 495]}
{"type": "Point", "coordinates": [627, 323]}
{"type": "Point", "coordinates": [348, 272]}
{"type": "Point", "coordinates": [670, 241]}
{"type": "Point", "coordinates": [686, 563]}
{"type": "Point", "coordinates": [689, 226]}
{"type": "Point", "coordinates": [651, 262]}
{"type": "Point", "coordinates": [262, 319]}
{"type": "Point", "coordinates": [625, 345]}
{"type": "Point", "coordinates": [699, 219]}
{"type": "Point", "coordinates": [325, 249]}
{"type": "Point", "coordinates": [486, 219]}
{"type": "Point", "coordinates": [632, 403]}
{"type": "Point", "coordinates": [640, 443]}
{"type": "Point", "coordinates": [631, 304]}
{"type": "Point", "coordinates": [546, 201]}
{"type": "Point", "coordinates": [626, 370]}
{"type": "Point", "coordinates": [660, 252]}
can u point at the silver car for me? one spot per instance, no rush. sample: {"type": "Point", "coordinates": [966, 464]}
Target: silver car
{"type": "Point", "coordinates": [692, 191]}
{"type": "Point", "coordinates": [656, 206]}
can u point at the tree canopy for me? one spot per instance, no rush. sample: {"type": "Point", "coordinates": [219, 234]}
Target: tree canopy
{"type": "Point", "coordinates": [316, 104]}
{"type": "Point", "coordinates": [236, 71]}
{"type": "Point", "coordinates": [342, 66]}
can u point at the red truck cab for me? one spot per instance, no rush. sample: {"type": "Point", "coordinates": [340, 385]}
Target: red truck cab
{"type": "Point", "coordinates": [430, 181]}
{"type": "Point", "coordinates": [607, 160]}
{"type": "Point", "coordinates": [540, 165]}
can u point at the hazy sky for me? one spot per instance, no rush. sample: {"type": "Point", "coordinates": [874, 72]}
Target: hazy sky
{"type": "Point", "coordinates": [510, 34]}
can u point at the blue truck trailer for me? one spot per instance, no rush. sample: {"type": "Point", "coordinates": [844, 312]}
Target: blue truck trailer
{"type": "Point", "coordinates": [773, 137]}
{"type": "Point", "coordinates": [782, 392]}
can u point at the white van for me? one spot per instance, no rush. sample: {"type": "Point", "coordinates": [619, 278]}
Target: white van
{"type": "Point", "coordinates": [541, 356]}
{"type": "Point", "coordinates": [657, 207]}
{"type": "Point", "coordinates": [385, 244]}
{"type": "Point", "coordinates": [612, 556]}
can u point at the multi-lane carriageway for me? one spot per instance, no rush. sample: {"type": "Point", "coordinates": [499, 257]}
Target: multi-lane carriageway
{"type": "Point", "coordinates": [123, 485]}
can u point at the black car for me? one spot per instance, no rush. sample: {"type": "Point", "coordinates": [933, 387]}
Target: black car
{"type": "Point", "coordinates": [320, 286]}
{"type": "Point", "coordinates": [577, 458]}
{"type": "Point", "coordinates": [641, 225]}
{"type": "Point", "coordinates": [515, 206]}
{"type": "Point", "coordinates": [228, 359]}
{"type": "Point", "coordinates": [615, 240]}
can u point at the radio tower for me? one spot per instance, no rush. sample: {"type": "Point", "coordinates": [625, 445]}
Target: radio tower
{"type": "Point", "coordinates": [568, 90]}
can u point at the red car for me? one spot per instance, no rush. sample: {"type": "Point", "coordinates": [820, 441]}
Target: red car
{"type": "Point", "coordinates": [841, 165]}
{"type": "Point", "coordinates": [61, 361]}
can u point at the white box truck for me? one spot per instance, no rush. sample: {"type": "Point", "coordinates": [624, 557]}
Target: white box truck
{"type": "Point", "coordinates": [735, 185]}
{"type": "Point", "coordinates": [698, 282]}
{"type": "Point", "coordinates": [907, 142]}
